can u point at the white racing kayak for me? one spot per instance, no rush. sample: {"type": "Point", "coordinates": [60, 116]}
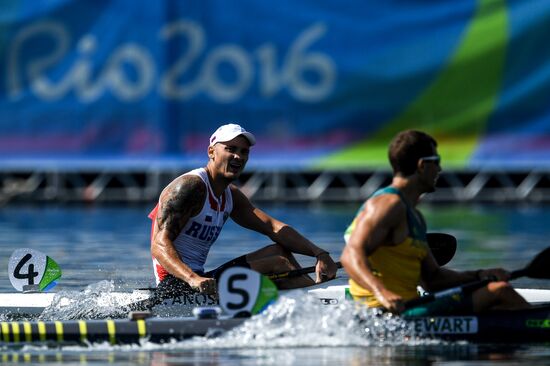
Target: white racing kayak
{"type": "Point", "coordinates": [515, 326]}
{"type": "Point", "coordinates": [22, 305]}
{"type": "Point", "coordinates": [244, 293]}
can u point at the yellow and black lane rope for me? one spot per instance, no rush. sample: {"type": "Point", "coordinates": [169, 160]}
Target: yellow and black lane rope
{"type": "Point", "coordinates": [118, 331]}
{"type": "Point", "coordinates": [78, 331]}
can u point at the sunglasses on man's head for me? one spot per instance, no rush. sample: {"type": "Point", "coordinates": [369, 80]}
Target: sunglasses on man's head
{"type": "Point", "coordinates": [435, 158]}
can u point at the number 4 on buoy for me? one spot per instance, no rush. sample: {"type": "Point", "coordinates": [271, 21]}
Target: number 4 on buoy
{"type": "Point", "coordinates": [32, 270]}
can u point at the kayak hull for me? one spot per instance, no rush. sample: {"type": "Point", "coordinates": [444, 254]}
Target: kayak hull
{"type": "Point", "coordinates": [531, 325]}
{"type": "Point", "coordinates": [514, 326]}
{"type": "Point", "coordinates": [17, 306]}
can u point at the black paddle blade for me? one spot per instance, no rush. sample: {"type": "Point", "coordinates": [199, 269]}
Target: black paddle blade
{"type": "Point", "coordinates": [539, 266]}
{"type": "Point", "coordinates": [443, 247]}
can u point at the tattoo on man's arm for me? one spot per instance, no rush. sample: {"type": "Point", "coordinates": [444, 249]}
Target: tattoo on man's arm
{"type": "Point", "coordinates": [181, 202]}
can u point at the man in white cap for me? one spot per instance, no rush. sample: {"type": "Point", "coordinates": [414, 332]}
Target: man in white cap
{"type": "Point", "coordinates": [193, 208]}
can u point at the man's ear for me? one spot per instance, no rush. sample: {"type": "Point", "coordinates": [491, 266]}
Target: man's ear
{"type": "Point", "coordinates": [420, 165]}
{"type": "Point", "coordinates": [210, 152]}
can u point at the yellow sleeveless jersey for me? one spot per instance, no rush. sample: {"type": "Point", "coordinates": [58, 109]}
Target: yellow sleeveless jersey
{"type": "Point", "coordinates": [397, 266]}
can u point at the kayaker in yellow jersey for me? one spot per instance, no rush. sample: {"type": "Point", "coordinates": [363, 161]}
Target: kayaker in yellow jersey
{"type": "Point", "coordinates": [386, 253]}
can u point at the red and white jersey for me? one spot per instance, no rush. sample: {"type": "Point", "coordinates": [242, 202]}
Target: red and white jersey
{"type": "Point", "coordinates": [201, 231]}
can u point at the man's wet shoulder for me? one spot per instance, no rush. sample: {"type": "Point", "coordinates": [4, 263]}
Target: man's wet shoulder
{"type": "Point", "coordinates": [186, 188]}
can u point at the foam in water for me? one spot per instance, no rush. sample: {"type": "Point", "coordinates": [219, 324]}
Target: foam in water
{"type": "Point", "coordinates": [298, 320]}
{"type": "Point", "coordinates": [96, 301]}
{"type": "Point", "coordinates": [295, 320]}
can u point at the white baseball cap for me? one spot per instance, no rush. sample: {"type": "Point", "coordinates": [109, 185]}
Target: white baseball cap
{"type": "Point", "coordinates": [229, 132]}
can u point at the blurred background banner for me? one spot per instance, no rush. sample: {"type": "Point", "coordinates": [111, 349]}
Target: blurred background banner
{"type": "Point", "coordinates": [321, 84]}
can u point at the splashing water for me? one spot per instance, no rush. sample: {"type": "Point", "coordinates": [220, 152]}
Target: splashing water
{"type": "Point", "coordinates": [96, 301]}
{"type": "Point", "coordinates": [296, 320]}
{"type": "Point", "coordinates": [299, 320]}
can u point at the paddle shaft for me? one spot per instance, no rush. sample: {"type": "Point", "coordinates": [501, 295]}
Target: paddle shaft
{"type": "Point", "coordinates": [443, 247]}
{"type": "Point", "coordinates": [466, 288]}
{"type": "Point", "coordinates": [155, 300]}
{"type": "Point", "coordinates": [296, 272]}
{"type": "Point", "coordinates": [538, 268]}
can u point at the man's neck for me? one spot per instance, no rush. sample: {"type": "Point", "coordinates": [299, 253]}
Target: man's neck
{"type": "Point", "coordinates": [218, 182]}
{"type": "Point", "coordinates": [408, 187]}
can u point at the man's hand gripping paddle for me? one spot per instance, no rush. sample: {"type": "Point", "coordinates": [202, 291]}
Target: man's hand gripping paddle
{"type": "Point", "coordinates": [538, 268]}
{"type": "Point", "coordinates": [244, 292]}
{"type": "Point", "coordinates": [443, 247]}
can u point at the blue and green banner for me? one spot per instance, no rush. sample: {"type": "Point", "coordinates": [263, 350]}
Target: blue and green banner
{"type": "Point", "coordinates": [321, 84]}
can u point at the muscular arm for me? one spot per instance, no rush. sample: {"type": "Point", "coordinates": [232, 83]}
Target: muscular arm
{"type": "Point", "coordinates": [182, 199]}
{"type": "Point", "coordinates": [376, 225]}
{"type": "Point", "coordinates": [250, 217]}
{"type": "Point", "coordinates": [436, 278]}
